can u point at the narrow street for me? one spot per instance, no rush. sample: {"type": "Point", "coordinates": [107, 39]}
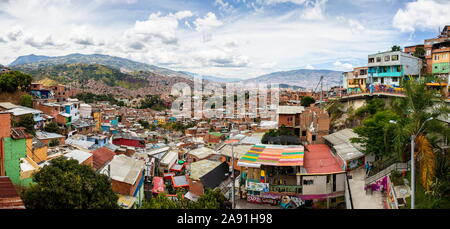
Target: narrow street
{"type": "Point", "coordinates": [361, 200]}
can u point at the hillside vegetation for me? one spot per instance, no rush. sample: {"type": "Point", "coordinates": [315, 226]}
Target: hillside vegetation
{"type": "Point", "coordinates": [81, 73]}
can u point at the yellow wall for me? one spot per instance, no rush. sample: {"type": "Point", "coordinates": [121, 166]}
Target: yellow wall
{"type": "Point", "coordinates": [40, 154]}
{"type": "Point", "coordinates": [443, 57]}
{"type": "Point", "coordinates": [98, 119]}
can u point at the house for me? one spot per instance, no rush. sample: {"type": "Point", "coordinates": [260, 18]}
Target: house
{"type": "Point", "coordinates": [85, 110]}
{"type": "Point", "coordinates": [213, 138]}
{"type": "Point", "coordinates": [207, 174]}
{"type": "Point", "coordinates": [313, 178]}
{"type": "Point", "coordinates": [83, 158]}
{"type": "Point", "coordinates": [9, 198]}
{"type": "Point", "coordinates": [289, 117]}
{"type": "Point", "coordinates": [390, 68]}
{"type": "Point", "coordinates": [200, 154]}
{"type": "Point", "coordinates": [127, 140]}
{"type": "Point", "coordinates": [168, 160]}
{"type": "Point", "coordinates": [14, 145]}
{"type": "Point", "coordinates": [101, 157]}
{"type": "Point", "coordinates": [18, 112]}
{"type": "Point", "coordinates": [433, 46]}
{"type": "Point", "coordinates": [47, 138]}
{"type": "Point", "coordinates": [314, 124]}
{"type": "Point", "coordinates": [350, 153]}
{"type": "Point", "coordinates": [127, 179]}
{"type": "Point", "coordinates": [355, 81]}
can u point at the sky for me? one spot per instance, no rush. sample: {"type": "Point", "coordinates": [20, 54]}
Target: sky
{"type": "Point", "coordinates": [223, 38]}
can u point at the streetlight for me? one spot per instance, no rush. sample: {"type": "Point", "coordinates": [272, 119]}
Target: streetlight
{"type": "Point", "coordinates": [413, 175]}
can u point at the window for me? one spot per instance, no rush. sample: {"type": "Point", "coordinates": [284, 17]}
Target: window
{"type": "Point", "coordinates": [378, 59]}
{"type": "Point", "coordinates": [375, 79]}
{"type": "Point", "coordinates": [308, 182]}
{"type": "Point", "coordinates": [428, 52]}
{"type": "Point", "coordinates": [314, 138]}
{"type": "Point", "coordinates": [387, 58]}
{"type": "Point", "coordinates": [371, 60]}
{"type": "Point", "coordinates": [394, 79]}
{"type": "Point", "coordinates": [395, 58]}
{"type": "Point", "coordinates": [303, 133]}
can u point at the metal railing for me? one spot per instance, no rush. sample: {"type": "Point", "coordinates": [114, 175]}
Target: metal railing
{"type": "Point", "coordinates": [285, 188]}
{"type": "Point", "coordinates": [400, 167]}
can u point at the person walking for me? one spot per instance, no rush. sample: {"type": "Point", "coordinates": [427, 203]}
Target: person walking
{"type": "Point", "coordinates": [367, 168]}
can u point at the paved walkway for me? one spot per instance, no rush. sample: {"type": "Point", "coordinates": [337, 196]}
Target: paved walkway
{"type": "Point", "coordinates": [361, 200]}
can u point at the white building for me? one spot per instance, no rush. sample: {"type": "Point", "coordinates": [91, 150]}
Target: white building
{"type": "Point", "coordinates": [390, 68]}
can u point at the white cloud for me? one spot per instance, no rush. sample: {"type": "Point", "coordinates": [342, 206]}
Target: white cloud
{"type": "Point", "coordinates": [343, 66]}
{"type": "Point", "coordinates": [271, 2]}
{"type": "Point", "coordinates": [43, 42]}
{"type": "Point", "coordinates": [309, 67]}
{"type": "Point", "coordinates": [209, 22]}
{"type": "Point", "coordinates": [159, 27]}
{"type": "Point", "coordinates": [269, 65]}
{"type": "Point", "coordinates": [423, 15]}
{"type": "Point", "coordinates": [315, 10]}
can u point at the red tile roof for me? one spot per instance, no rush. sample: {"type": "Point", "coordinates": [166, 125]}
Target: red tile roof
{"type": "Point", "coordinates": [320, 160]}
{"type": "Point", "coordinates": [9, 199]}
{"type": "Point", "coordinates": [102, 156]}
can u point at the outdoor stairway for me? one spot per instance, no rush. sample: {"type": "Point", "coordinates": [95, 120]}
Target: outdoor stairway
{"type": "Point", "coordinates": [400, 167]}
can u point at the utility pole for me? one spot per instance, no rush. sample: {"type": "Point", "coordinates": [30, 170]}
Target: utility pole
{"type": "Point", "coordinates": [233, 197]}
{"type": "Point", "coordinates": [321, 89]}
{"type": "Point", "coordinates": [413, 176]}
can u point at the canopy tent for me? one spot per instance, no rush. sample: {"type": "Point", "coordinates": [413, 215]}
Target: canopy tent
{"type": "Point", "coordinates": [274, 155]}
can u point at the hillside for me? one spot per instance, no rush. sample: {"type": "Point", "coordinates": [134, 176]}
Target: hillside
{"type": "Point", "coordinates": [68, 73]}
{"type": "Point", "coordinates": [302, 78]}
{"type": "Point", "coordinates": [33, 62]}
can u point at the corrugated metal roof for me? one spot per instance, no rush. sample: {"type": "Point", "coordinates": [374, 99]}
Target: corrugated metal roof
{"type": "Point", "coordinates": [124, 169]}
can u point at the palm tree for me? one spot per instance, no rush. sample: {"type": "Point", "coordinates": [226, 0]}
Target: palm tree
{"type": "Point", "coordinates": [420, 105]}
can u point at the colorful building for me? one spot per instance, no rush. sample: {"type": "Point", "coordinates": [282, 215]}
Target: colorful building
{"type": "Point", "coordinates": [13, 152]}
{"type": "Point", "coordinates": [272, 174]}
{"type": "Point", "coordinates": [390, 68]}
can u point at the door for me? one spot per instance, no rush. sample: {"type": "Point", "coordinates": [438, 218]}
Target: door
{"type": "Point", "coordinates": [334, 182]}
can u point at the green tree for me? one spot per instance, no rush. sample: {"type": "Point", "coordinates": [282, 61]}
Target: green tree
{"type": "Point", "coordinates": [211, 199]}
{"type": "Point", "coordinates": [420, 110]}
{"type": "Point", "coordinates": [14, 80]}
{"type": "Point", "coordinates": [396, 48]}
{"type": "Point", "coordinates": [26, 101]}
{"type": "Point", "coordinates": [307, 101]}
{"type": "Point", "coordinates": [52, 128]}
{"type": "Point", "coordinates": [54, 142]}
{"type": "Point", "coordinates": [420, 52]}
{"type": "Point", "coordinates": [374, 134]}
{"type": "Point", "coordinates": [64, 184]}
{"type": "Point", "coordinates": [27, 121]}
{"type": "Point", "coordinates": [161, 201]}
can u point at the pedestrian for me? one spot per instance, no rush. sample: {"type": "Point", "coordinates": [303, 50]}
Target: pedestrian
{"type": "Point", "coordinates": [367, 168]}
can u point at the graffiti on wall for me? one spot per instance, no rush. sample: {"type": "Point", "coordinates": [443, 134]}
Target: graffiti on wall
{"type": "Point", "coordinates": [258, 187]}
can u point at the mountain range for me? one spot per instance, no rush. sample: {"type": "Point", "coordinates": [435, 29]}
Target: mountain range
{"type": "Point", "coordinates": [129, 74]}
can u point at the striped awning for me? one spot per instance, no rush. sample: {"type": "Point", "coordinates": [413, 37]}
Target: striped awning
{"type": "Point", "coordinates": [274, 155]}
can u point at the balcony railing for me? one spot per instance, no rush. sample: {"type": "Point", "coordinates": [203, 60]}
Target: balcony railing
{"type": "Point", "coordinates": [285, 188]}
